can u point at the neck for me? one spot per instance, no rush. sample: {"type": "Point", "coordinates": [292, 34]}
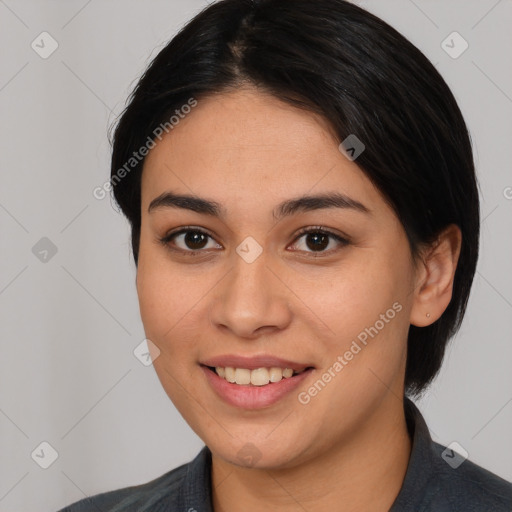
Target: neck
{"type": "Point", "coordinates": [365, 472]}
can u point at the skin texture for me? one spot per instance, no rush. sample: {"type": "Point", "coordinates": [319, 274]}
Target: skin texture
{"type": "Point", "coordinates": [348, 447]}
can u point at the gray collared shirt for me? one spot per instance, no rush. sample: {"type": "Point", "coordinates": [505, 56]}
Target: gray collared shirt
{"type": "Point", "coordinates": [437, 480]}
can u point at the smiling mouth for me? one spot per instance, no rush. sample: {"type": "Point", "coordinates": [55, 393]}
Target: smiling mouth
{"type": "Point", "coordinates": [255, 377]}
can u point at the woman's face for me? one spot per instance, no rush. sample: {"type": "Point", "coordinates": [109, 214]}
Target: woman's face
{"type": "Point", "coordinates": [244, 281]}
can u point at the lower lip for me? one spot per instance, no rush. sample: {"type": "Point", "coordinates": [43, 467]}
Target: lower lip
{"type": "Point", "coordinates": [253, 397]}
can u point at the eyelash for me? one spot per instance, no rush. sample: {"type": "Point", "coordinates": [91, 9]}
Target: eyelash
{"type": "Point", "coordinates": [304, 231]}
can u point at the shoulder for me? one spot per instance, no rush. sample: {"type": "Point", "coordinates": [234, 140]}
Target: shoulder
{"type": "Point", "coordinates": [152, 495]}
{"type": "Point", "coordinates": [466, 486]}
{"type": "Point", "coordinates": [438, 479]}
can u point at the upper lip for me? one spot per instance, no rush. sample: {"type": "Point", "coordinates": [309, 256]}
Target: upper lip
{"type": "Point", "coordinates": [251, 363]}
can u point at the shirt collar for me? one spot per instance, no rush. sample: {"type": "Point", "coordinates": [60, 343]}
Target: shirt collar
{"type": "Point", "coordinates": [422, 459]}
{"type": "Point", "coordinates": [196, 492]}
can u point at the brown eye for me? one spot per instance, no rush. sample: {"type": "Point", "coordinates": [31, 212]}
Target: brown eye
{"type": "Point", "coordinates": [189, 240]}
{"type": "Point", "coordinates": [318, 240]}
{"type": "Point", "coordinates": [195, 239]}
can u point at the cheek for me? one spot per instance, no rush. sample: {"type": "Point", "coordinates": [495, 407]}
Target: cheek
{"type": "Point", "coordinates": [366, 307]}
{"type": "Point", "coordinates": [172, 302]}
{"type": "Point", "coordinates": [169, 311]}
{"type": "Point", "coordinates": [162, 296]}
{"type": "Point", "coordinates": [354, 296]}
{"type": "Point", "coordinates": [159, 289]}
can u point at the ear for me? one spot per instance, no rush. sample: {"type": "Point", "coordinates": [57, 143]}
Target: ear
{"type": "Point", "coordinates": [434, 277]}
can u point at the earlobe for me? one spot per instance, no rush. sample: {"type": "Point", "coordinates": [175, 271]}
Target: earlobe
{"type": "Point", "coordinates": [436, 272]}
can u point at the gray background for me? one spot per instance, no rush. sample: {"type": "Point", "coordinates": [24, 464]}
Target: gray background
{"type": "Point", "coordinates": [69, 324]}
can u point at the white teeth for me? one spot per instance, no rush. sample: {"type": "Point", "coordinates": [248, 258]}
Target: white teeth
{"type": "Point", "coordinates": [256, 377]}
{"type": "Point", "coordinates": [276, 374]}
{"type": "Point", "coordinates": [287, 372]}
{"type": "Point", "coordinates": [229, 374]}
{"type": "Point", "coordinates": [242, 376]}
{"type": "Point", "coordinates": [259, 377]}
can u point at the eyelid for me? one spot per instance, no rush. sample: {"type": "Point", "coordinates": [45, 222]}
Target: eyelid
{"type": "Point", "coordinates": [184, 229]}
{"type": "Point", "coordinates": [181, 230]}
{"type": "Point", "coordinates": [322, 229]}
{"type": "Point", "coordinates": [340, 238]}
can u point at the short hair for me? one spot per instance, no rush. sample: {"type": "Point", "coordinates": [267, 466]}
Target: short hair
{"type": "Point", "coordinates": [335, 59]}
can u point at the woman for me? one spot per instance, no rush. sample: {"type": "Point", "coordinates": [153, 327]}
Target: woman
{"type": "Point", "coordinates": [301, 190]}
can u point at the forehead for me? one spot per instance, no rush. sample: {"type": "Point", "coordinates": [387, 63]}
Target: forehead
{"type": "Point", "coordinates": [247, 145]}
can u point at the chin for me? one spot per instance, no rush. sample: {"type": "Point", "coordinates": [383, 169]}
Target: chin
{"type": "Point", "coordinates": [258, 454]}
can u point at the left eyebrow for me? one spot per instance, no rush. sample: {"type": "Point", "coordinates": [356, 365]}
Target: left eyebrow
{"type": "Point", "coordinates": [317, 202]}
{"type": "Point", "coordinates": [284, 209]}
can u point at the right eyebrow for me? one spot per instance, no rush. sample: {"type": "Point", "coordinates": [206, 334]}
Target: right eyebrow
{"type": "Point", "coordinates": [187, 202]}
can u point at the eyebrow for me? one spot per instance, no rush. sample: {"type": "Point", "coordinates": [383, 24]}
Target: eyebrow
{"type": "Point", "coordinates": [284, 209]}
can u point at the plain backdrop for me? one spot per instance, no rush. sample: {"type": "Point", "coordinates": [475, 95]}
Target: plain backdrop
{"type": "Point", "coordinates": [69, 313]}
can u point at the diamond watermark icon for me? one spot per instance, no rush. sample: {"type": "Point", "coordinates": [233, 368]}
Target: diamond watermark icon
{"type": "Point", "coordinates": [454, 45]}
{"type": "Point", "coordinates": [146, 352]}
{"type": "Point", "coordinates": [249, 249]}
{"type": "Point", "coordinates": [44, 250]}
{"type": "Point", "coordinates": [248, 455]}
{"type": "Point", "coordinates": [44, 45]}
{"type": "Point", "coordinates": [351, 147]}
{"type": "Point", "coordinates": [44, 455]}
{"type": "Point", "coordinates": [454, 455]}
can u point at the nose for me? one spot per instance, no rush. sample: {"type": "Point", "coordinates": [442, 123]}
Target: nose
{"type": "Point", "coordinates": [251, 300]}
